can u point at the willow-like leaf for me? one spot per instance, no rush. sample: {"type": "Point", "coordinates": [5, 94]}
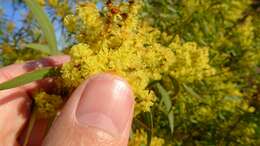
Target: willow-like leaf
{"type": "Point", "coordinates": [28, 78]}
{"type": "Point", "coordinates": [176, 86]}
{"type": "Point", "coordinates": [149, 120]}
{"type": "Point", "coordinates": [39, 47]}
{"type": "Point", "coordinates": [191, 91]}
{"type": "Point", "coordinates": [165, 98]}
{"type": "Point", "coordinates": [44, 23]}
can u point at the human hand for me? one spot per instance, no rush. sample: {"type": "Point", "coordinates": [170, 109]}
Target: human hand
{"type": "Point", "coordinates": [99, 112]}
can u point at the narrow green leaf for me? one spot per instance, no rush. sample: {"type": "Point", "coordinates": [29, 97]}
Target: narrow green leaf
{"type": "Point", "coordinates": [171, 120]}
{"type": "Point", "coordinates": [176, 86]}
{"type": "Point", "coordinates": [168, 104]}
{"type": "Point", "coordinates": [44, 23]}
{"type": "Point", "coordinates": [149, 120]}
{"type": "Point", "coordinates": [39, 47]}
{"type": "Point", "coordinates": [165, 96]}
{"type": "Point", "coordinates": [170, 84]}
{"type": "Point", "coordinates": [191, 91]}
{"type": "Point", "coordinates": [28, 77]}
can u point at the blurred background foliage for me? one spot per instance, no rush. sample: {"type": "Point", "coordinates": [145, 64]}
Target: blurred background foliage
{"type": "Point", "coordinates": [222, 109]}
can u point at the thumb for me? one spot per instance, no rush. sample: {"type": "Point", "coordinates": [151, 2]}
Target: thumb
{"type": "Point", "coordinates": [99, 113]}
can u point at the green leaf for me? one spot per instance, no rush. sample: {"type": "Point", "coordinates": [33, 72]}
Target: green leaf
{"type": "Point", "coordinates": [170, 84]}
{"type": "Point", "coordinates": [44, 23]}
{"type": "Point", "coordinates": [168, 104]}
{"type": "Point", "coordinates": [28, 77]}
{"type": "Point", "coordinates": [176, 86]}
{"type": "Point", "coordinates": [149, 120]}
{"type": "Point", "coordinates": [191, 91]}
{"type": "Point", "coordinates": [39, 47]}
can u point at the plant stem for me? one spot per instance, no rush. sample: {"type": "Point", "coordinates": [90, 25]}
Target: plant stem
{"type": "Point", "coordinates": [30, 127]}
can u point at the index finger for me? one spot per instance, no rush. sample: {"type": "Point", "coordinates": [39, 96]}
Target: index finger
{"type": "Point", "coordinates": [14, 70]}
{"type": "Point", "coordinates": [15, 103]}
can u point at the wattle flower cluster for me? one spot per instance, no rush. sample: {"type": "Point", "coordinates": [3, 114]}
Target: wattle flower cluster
{"type": "Point", "coordinates": [118, 42]}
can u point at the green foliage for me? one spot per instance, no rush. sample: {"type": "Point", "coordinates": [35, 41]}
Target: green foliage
{"type": "Point", "coordinates": [209, 48]}
{"type": "Point", "coordinates": [45, 24]}
{"type": "Point", "coordinates": [166, 100]}
{"type": "Point", "coordinates": [214, 110]}
{"type": "Point", "coordinates": [39, 47]}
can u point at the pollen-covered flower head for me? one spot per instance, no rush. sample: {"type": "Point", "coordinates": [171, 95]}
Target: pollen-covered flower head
{"type": "Point", "coordinates": [46, 104]}
{"type": "Point", "coordinates": [139, 138]}
{"type": "Point", "coordinates": [118, 42]}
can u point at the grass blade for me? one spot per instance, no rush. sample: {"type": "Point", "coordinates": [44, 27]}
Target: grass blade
{"type": "Point", "coordinates": [39, 47]}
{"type": "Point", "coordinates": [28, 78]}
{"type": "Point", "coordinates": [44, 23]}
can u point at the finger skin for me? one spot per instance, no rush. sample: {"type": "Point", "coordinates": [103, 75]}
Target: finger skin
{"type": "Point", "coordinates": [15, 103]}
{"type": "Point", "coordinates": [67, 131]}
{"type": "Point", "coordinates": [38, 132]}
{"type": "Point", "coordinates": [15, 70]}
{"type": "Point", "coordinates": [14, 110]}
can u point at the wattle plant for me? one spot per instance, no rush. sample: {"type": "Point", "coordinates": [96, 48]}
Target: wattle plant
{"type": "Point", "coordinates": [193, 67]}
{"type": "Point", "coordinates": [122, 44]}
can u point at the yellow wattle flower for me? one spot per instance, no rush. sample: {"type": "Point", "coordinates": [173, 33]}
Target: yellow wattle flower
{"type": "Point", "coordinates": [121, 44]}
{"type": "Point", "coordinates": [46, 104]}
{"type": "Point", "coordinates": [139, 138]}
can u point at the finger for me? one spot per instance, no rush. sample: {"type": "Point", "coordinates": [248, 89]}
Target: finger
{"type": "Point", "coordinates": [37, 132]}
{"type": "Point", "coordinates": [14, 110]}
{"type": "Point", "coordinates": [12, 71]}
{"type": "Point", "coordinates": [15, 70]}
{"type": "Point", "coordinates": [99, 112]}
{"type": "Point", "coordinates": [15, 103]}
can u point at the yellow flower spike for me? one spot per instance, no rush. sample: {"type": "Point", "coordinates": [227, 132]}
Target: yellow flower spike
{"type": "Point", "coordinates": [47, 105]}
{"type": "Point", "coordinates": [130, 49]}
{"type": "Point", "coordinates": [41, 2]}
{"type": "Point", "coordinates": [190, 60]}
{"type": "Point", "coordinates": [251, 109]}
{"type": "Point", "coordinates": [53, 3]}
{"type": "Point", "coordinates": [245, 33]}
{"type": "Point", "coordinates": [140, 138]}
{"type": "Point", "coordinates": [62, 9]}
{"type": "Point", "coordinates": [70, 23]}
{"type": "Point", "coordinates": [10, 27]}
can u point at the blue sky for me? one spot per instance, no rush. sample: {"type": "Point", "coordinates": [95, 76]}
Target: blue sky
{"type": "Point", "coordinates": [16, 16]}
{"type": "Point", "coordinates": [9, 12]}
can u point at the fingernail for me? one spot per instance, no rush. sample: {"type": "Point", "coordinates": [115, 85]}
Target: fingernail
{"type": "Point", "coordinates": [106, 103]}
{"type": "Point", "coordinates": [49, 61]}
